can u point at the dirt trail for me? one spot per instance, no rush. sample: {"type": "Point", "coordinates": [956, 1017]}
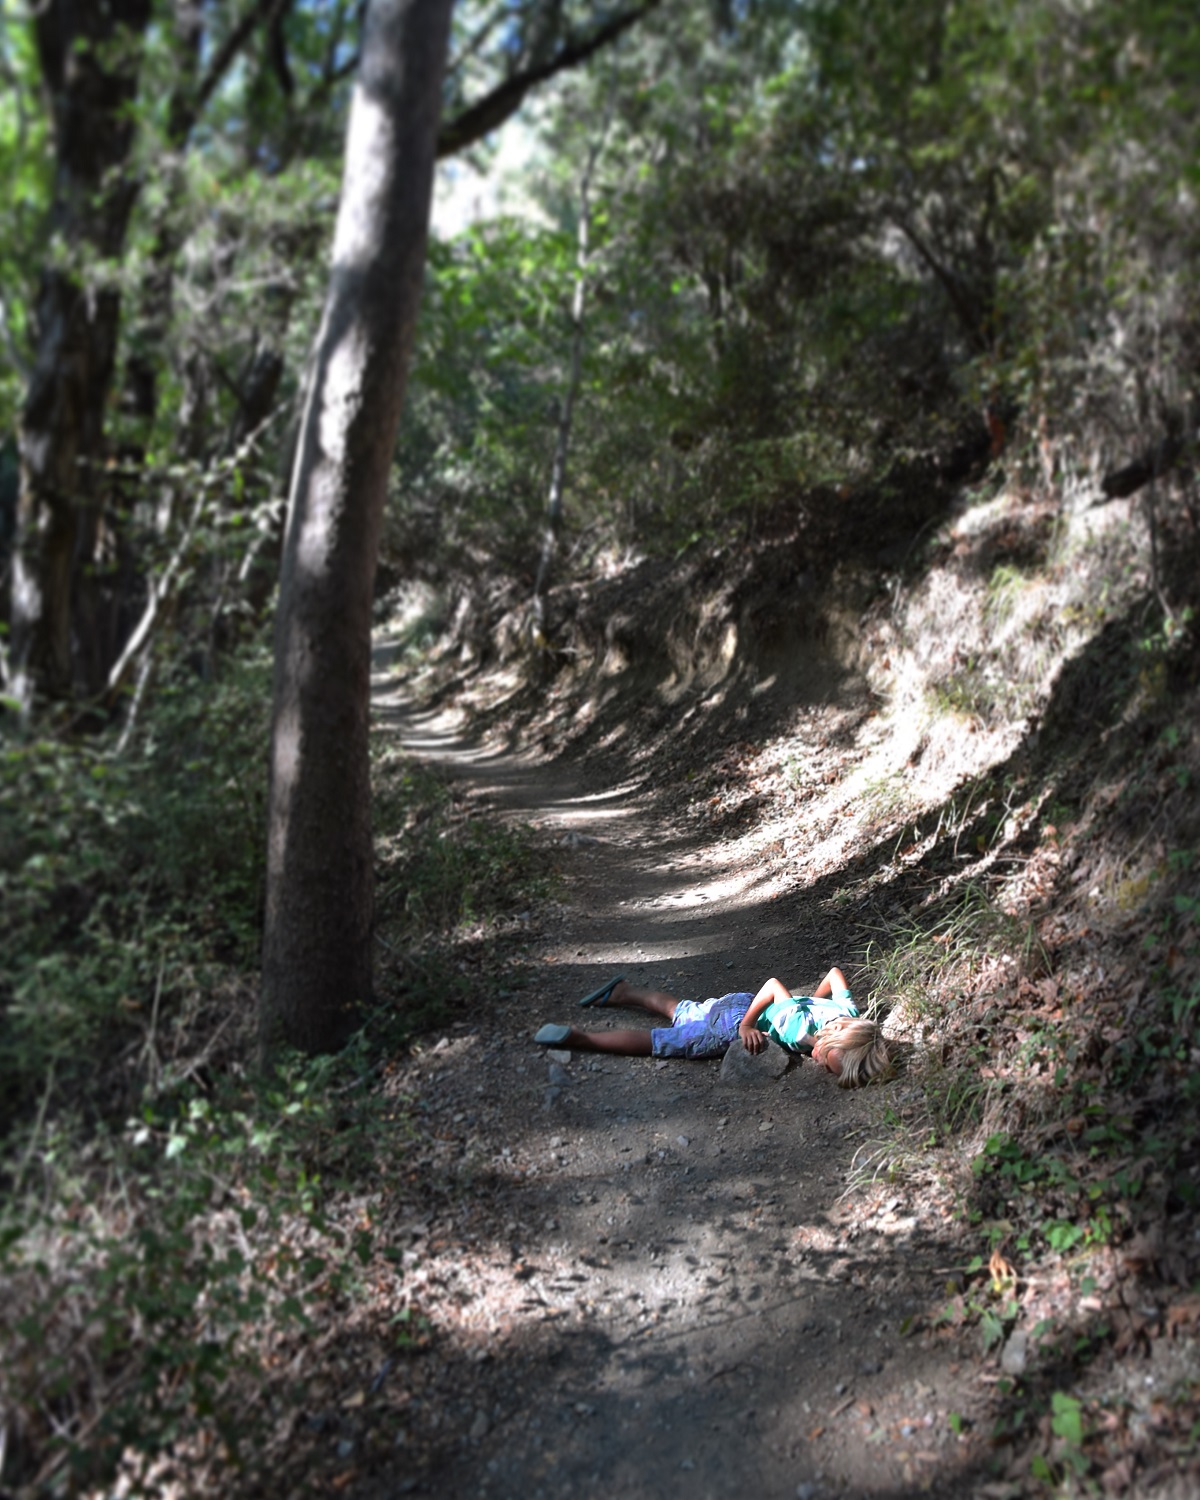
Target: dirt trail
{"type": "Point", "coordinates": [650, 1284]}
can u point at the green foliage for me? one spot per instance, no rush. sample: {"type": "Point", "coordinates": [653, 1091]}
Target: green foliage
{"type": "Point", "coordinates": [26, 168]}
{"type": "Point", "coordinates": [474, 454]}
{"type": "Point", "coordinates": [823, 241]}
{"type": "Point", "coordinates": [1068, 1427]}
{"type": "Point", "coordinates": [142, 1320]}
{"type": "Point", "coordinates": [152, 1271]}
{"type": "Point", "coordinates": [985, 1301]}
{"type": "Point", "coordinates": [443, 876]}
{"type": "Point", "coordinates": [125, 877]}
{"type": "Point", "coordinates": [440, 866]}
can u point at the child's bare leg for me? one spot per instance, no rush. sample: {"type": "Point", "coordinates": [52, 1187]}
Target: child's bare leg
{"type": "Point", "coordinates": [626, 1043]}
{"type": "Point", "coordinates": [657, 1002]}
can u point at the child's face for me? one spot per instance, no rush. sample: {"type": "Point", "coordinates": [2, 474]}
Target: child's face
{"type": "Point", "coordinates": [825, 1052]}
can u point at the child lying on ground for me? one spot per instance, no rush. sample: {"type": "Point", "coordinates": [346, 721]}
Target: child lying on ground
{"type": "Point", "coordinates": [825, 1024]}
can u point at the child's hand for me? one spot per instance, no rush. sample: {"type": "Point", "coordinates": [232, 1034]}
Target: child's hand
{"type": "Point", "coordinates": [752, 1039]}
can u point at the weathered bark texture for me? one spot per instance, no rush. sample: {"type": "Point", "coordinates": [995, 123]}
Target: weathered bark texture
{"type": "Point", "coordinates": [90, 56]}
{"type": "Point", "coordinates": [317, 961]}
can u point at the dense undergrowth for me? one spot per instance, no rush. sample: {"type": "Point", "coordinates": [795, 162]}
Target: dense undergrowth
{"type": "Point", "coordinates": [1057, 1105]}
{"type": "Point", "coordinates": [176, 1226]}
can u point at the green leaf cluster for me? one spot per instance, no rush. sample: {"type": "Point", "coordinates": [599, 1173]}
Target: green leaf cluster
{"type": "Point", "coordinates": [124, 880]}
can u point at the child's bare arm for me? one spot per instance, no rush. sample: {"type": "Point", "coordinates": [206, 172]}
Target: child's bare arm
{"type": "Point", "coordinates": [752, 1039]}
{"type": "Point", "coordinates": [835, 979]}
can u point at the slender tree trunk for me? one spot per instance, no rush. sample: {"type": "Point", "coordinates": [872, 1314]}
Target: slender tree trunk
{"type": "Point", "coordinates": [566, 410]}
{"type": "Point", "coordinates": [317, 960]}
{"type": "Point", "coordinates": [90, 56]}
{"type": "Point", "coordinates": [106, 615]}
{"type": "Point", "coordinates": [562, 443]}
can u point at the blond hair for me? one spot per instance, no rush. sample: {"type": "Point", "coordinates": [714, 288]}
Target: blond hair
{"type": "Point", "coordinates": [862, 1052]}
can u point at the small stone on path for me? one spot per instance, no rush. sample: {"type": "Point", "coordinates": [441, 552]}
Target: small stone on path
{"type": "Point", "coordinates": [1015, 1355]}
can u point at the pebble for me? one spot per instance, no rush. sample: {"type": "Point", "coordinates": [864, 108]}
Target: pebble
{"type": "Point", "coordinates": [479, 1427]}
{"type": "Point", "coordinates": [558, 1075]}
{"type": "Point", "coordinates": [1015, 1354]}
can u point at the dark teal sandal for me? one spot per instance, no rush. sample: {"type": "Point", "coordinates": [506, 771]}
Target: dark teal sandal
{"type": "Point", "coordinates": [601, 996]}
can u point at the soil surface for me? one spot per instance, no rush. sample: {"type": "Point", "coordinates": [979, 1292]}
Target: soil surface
{"type": "Point", "coordinates": [627, 1277]}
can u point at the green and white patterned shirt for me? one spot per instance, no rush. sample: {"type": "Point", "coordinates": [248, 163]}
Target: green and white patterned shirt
{"type": "Point", "coordinates": [789, 1022]}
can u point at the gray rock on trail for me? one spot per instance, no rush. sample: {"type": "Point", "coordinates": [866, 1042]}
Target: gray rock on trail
{"type": "Point", "coordinates": [749, 1070]}
{"type": "Point", "coordinates": [1015, 1355]}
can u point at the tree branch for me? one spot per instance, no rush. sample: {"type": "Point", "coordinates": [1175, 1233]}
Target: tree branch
{"type": "Point", "coordinates": [260, 13]}
{"type": "Point", "coordinates": [1126, 481]}
{"type": "Point", "coordinates": [490, 112]}
{"type": "Point", "coordinates": [961, 300]}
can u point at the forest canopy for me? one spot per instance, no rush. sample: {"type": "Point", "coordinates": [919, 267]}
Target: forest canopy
{"type": "Point", "coordinates": [824, 240]}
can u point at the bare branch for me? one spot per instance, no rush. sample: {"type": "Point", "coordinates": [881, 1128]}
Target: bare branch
{"type": "Point", "coordinates": [490, 112]}
{"type": "Point", "coordinates": [259, 13]}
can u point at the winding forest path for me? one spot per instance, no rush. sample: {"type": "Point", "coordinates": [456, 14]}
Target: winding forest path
{"type": "Point", "coordinates": [644, 1282]}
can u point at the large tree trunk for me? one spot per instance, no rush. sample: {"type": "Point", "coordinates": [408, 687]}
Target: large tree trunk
{"type": "Point", "coordinates": [90, 56]}
{"type": "Point", "coordinates": [317, 961]}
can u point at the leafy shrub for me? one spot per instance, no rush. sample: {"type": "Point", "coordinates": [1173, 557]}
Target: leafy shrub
{"type": "Point", "coordinates": [142, 1321]}
{"type": "Point", "coordinates": [123, 875]}
{"type": "Point", "coordinates": [445, 878]}
{"type": "Point", "coordinates": [158, 1276]}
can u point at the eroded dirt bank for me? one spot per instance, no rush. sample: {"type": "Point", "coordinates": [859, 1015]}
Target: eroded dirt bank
{"type": "Point", "coordinates": [635, 1280]}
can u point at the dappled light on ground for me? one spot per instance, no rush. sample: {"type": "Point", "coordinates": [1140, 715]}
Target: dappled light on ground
{"type": "Point", "coordinates": [678, 1244]}
{"type": "Point", "coordinates": [623, 1263]}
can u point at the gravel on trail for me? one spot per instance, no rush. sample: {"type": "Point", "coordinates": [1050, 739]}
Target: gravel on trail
{"type": "Point", "coordinates": [634, 1278]}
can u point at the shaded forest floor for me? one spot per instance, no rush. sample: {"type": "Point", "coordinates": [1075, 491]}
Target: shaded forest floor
{"type": "Point", "coordinates": [638, 1279]}
{"type": "Point", "coordinates": [976, 1279]}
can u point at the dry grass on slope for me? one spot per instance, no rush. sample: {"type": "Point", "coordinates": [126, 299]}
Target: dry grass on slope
{"type": "Point", "coordinates": [1038, 950]}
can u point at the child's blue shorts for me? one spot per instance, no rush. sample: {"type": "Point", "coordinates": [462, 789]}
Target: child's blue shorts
{"type": "Point", "coordinates": [701, 1028]}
